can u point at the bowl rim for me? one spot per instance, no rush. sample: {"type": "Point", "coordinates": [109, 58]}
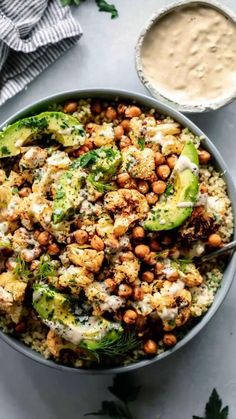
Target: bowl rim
{"type": "Point", "coordinates": [156, 16]}
{"type": "Point", "coordinates": [109, 94]}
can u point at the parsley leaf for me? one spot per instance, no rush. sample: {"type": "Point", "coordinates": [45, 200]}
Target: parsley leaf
{"type": "Point", "coordinates": [141, 143]}
{"type": "Point", "coordinates": [103, 6]}
{"type": "Point", "coordinates": [213, 408]}
{"type": "Point", "coordinates": [169, 190]}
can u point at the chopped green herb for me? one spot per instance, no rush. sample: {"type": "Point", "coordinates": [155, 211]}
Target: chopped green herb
{"type": "Point", "coordinates": [141, 143]}
{"type": "Point", "coordinates": [21, 270]}
{"type": "Point", "coordinates": [169, 190]}
{"type": "Point", "coordinates": [5, 151]}
{"type": "Point", "coordinates": [45, 268]}
{"type": "Point", "coordinates": [14, 191]}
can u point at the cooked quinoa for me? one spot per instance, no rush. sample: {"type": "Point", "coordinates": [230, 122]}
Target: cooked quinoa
{"type": "Point", "coordinates": [84, 279]}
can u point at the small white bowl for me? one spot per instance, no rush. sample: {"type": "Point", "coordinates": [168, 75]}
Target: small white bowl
{"type": "Point", "coordinates": [216, 104]}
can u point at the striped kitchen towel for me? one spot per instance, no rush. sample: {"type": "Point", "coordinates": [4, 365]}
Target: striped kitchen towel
{"type": "Point", "coordinates": [33, 34]}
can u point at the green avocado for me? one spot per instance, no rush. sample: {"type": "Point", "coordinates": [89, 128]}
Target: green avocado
{"type": "Point", "coordinates": [176, 204]}
{"type": "Point", "coordinates": [56, 311]}
{"type": "Point", "coordinates": [66, 129]}
{"type": "Point", "coordinates": [101, 164]}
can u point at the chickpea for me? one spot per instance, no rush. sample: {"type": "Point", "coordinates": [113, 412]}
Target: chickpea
{"type": "Point", "coordinates": [121, 108]}
{"type": "Point", "coordinates": [138, 294]}
{"type": "Point", "coordinates": [126, 125]}
{"type": "Point", "coordinates": [70, 107]}
{"type": "Point", "coordinates": [81, 236]}
{"type": "Point", "coordinates": [132, 111]}
{"type": "Point", "coordinates": [90, 127]}
{"type": "Point", "coordinates": [150, 347]}
{"type": "Point", "coordinates": [44, 238]}
{"type": "Point", "coordinates": [88, 143]}
{"type": "Point", "coordinates": [141, 250]}
{"type": "Point", "coordinates": [97, 243]}
{"type": "Point", "coordinates": [163, 171]}
{"type": "Point", "coordinates": [118, 131]}
{"type": "Point", "coordinates": [173, 276]}
{"type": "Point", "coordinates": [96, 107]}
{"type": "Point", "coordinates": [82, 150]}
{"type": "Point", "coordinates": [159, 268]}
{"type": "Point", "coordinates": [125, 142]}
{"type": "Point", "coordinates": [112, 242]}
{"type": "Point", "coordinates": [214, 240]}
{"type": "Point", "coordinates": [125, 291]}
{"type": "Point", "coordinates": [150, 259]}
{"type": "Point", "coordinates": [123, 178]}
{"type": "Point", "coordinates": [174, 253]}
{"type": "Point", "coordinates": [155, 246]}
{"type": "Point", "coordinates": [24, 192]}
{"type": "Point", "coordinates": [126, 256]}
{"type": "Point", "coordinates": [110, 284]}
{"type": "Point", "coordinates": [36, 234]}
{"type": "Point", "coordinates": [151, 198]}
{"type": "Point", "coordinates": [204, 157]}
{"type": "Point", "coordinates": [159, 158]}
{"type": "Point", "coordinates": [169, 339]}
{"type": "Point", "coordinates": [143, 186]}
{"type": "Point", "coordinates": [171, 161]}
{"type": "Point", "coordinates": [158, 187]}
{"type": "Point", "coordinates": [53, 249]}
{"type": "Point", "coordinates": [148, 276]}
{"type": "Point", "coordinates": [138, 232]}
{"type": "Point", "coordinates": [131, 184]}
{"type": "Point", "coordinates": [130, 317]}
{"type": "Point", "coordinates": [111, 113]}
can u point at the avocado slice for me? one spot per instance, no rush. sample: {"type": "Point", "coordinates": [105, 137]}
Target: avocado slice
{"type": "Point", "coordinates": [177, 203]}
{"type": "Point", "coordinates": [66, 129]}
{"type": "Point", "coordinates": [101, 164]}
{"type": "Point", "coordinates": [56, 311]}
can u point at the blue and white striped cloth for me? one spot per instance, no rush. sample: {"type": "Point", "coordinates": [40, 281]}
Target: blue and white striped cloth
{"type": "Point", "coordinates": [33, 34]}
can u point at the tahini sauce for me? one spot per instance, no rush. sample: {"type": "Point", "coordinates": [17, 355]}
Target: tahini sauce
{"type": "Point", "coordinates": [189, 55]}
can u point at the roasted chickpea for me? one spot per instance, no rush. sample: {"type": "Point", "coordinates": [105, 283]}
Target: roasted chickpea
{"type": "Point", "coordinates": [125, 290]}
{"type": "Point", "coordinates": [143, 186]}
{"type": "Point", "coordinates": [159, 158]}
{"type": "Point", "coordinates": [204, 157]}
{"type": "Point", "coordinates": [138, 294]}
{"type": "Point", "coordinates": [214, 240]}
{"type": "Point", "coordinates": [138, 232]}
{"type": "Point", "coordinates": [81, 236]}
{"type": "Point", "coordinates": [36, 234]}
{"type": "Point", "coordinates": [121, 108]}
{"type": "Point", "coordinates": [169, 339]}
{"type": "Point", "coordinates": [141, 250]}
{"type": "Point", "coordinates": [158, 186]}
{"type": "Point", "coordinates": [125, 142]}
{"type": "Point", "coordinates": [151, 198]}
{"type": "Point", "coordinates": [53, 249]}
{"type": "Point", "coordinates": [171, 161]}
{"type": "Point", "coordinates": [159, 268]}
{"type": "Point", "coordinates": [97, 243]}
{"type": "Point", "coordinates": [130, 317]}
{"type": "Point", "coordinates": [110, 284]}
{"type": "Point", "coordinates": [112, 242]}
{"type": "Point", "coordinates": [150, 347]}
{"type": "Point", "coordinates": [148, 276]}
{"type": "Point", "coordinates": [90, 127]}
{"type": "Point", "coordinates": [118, 131]}
{"type": "Point", "coordinates": [173, 276]}
{"type": "Point", "coordinates": [44, 238]}
{"type": "Point", "coordinates": [123, 178]}
{"type": "Point", "coordinates": [150, 259]}
{"type": "Point", "coordinates": [132, 111]}
{"type": "Point", "coordinates": [174, 253]}
{"type": "Point", "coordinates": [70, 107]}
{"type": "Point", "coordinates": [88, 143]}
{"type": "Point", "coordinates": [126, 125]}
{"type": "Point", "coordinates": [82, 150]}
{"type": "Point", "coordinates": [111, 113]}
{"type": "Point", "coordinates": [131, 184]}
{"type": "Point", "coordinates": [127, 256]}
{"type": "Point", "coordinates": [163, 171]}
{"type": "Point", "coordinates": [96, 107]}
{"type": "Point", "coordinates": [24, 192]}
{"type": "Point", "coordinates": [154, 245]}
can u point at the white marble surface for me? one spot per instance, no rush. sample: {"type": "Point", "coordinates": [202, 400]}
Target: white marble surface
{"type": "Point", "coordinates": [178, 387]}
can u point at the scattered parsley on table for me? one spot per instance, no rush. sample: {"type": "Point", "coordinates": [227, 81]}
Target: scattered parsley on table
{"type": "Point", "coordinates": [103, 6]}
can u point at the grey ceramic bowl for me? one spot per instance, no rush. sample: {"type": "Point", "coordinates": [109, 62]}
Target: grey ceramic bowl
{"type": "Point", "coordinates": [218, 161]}
{"type": "Point", "coordinates": [216, 104]}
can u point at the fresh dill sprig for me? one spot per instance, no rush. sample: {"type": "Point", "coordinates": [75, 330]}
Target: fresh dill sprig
{"type": "Point", "coordinates": [45, 269]}
{"type": "Point", "coordinates": [21, 269]}
{"type": "Point", "coordinates": [112, 345]}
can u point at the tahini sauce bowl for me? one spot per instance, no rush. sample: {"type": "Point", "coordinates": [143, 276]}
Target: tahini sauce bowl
{"type": "Point", "coordinates": [148, 83]}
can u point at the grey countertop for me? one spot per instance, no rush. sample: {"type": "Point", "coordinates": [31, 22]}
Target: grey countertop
{"type": "Point", "coordinates": [179, 386]}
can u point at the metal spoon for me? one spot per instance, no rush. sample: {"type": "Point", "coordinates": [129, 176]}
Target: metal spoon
{"type": "Point", "coordinates": [227, 248]}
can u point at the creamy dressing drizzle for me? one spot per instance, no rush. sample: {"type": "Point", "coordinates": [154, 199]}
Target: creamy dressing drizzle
{"type": "Point", "coordinates": [184, 163]}
{"type": "Point", "coordinates": [189, 55]}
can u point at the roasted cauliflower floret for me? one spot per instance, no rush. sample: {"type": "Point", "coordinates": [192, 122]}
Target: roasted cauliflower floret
{"type": "Point", "coordinates": [75, 278]}
{"type": "Point", "coordinates": [127, 205]}
{"type": "Point", "coordinates": [12, 293]}
{"type": "Point", "coordinates": [128, 270]}
{"type": "Point", "coordinates": [5, 196]}
{"type": "Point", "coordinates": [88, 258]}
{"type": "Point", "coordinates": [33, 158]}
{"type": "Point", "coordinates": [59, 159]}
{"type": "Point", "coordinates": [139, 163]}
{"type": "Point", "coordinates": [24, 243]}
{"type": "Point", "coordinates": [103, 135]}
{"type": "Point", "coordinates": [101, 300]}
{"type": "Point", "coordinates": [104, 226]}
